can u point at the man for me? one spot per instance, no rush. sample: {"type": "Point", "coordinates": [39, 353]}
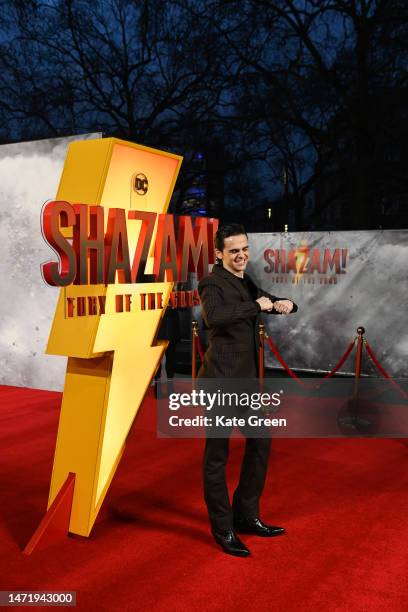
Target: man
{"type": "Point", "coordinates": [231, 306]}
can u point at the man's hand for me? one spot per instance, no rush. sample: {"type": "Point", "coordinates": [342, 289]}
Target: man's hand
{"type": "Point", "coordinates": [283, 306]}
{"type": "Point", "coordinates": [266, 304]}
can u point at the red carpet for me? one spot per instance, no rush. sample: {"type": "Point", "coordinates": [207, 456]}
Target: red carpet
{"type": "Point", "coordinates": [344, 503]}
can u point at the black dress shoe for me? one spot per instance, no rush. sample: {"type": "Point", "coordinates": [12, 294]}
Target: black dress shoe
{"type": "Point", "coordinates": [256, 527]}
{"type": "Point", "coordinates": [230, 543]}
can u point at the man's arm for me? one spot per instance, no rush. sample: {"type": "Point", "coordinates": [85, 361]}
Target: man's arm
{"type": "Point", "coordinates": [217, 314]}
{"type": "Point", "coordinates": [280, 305]}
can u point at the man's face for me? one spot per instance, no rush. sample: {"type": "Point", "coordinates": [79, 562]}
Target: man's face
{"type": "Point", "coordinates": [235, 254]}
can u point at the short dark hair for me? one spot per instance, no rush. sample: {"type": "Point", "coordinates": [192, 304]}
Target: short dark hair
{"type": "Point", "coordinates": [225, 231]}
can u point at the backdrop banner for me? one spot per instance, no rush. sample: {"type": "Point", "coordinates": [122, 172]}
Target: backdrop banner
{"type": "Point", "coordinates": [339, 280]}
{"type": "Point", "coordinates": [29, 176]}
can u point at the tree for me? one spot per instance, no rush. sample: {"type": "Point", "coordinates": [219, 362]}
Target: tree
{"type": "Point", "coordinates": [321, 86]}
{"type": "Point", "coordinates": [315, 89]}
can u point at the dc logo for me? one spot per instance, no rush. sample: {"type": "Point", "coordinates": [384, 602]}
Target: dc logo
{"type": "Point", "coordinates": [141, 184]}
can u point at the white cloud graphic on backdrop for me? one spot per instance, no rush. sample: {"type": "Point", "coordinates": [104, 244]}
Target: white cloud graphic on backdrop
{"type": "Point", "coordinates": [372, 293]}
{"type": "Point", "coordinates": [29, 175]}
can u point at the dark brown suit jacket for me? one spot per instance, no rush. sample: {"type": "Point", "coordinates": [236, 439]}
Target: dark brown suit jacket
{"type": "Point", "coordinates": [231, 314]}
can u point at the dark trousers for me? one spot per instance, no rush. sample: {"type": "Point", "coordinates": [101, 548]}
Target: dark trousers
{"type": "Point", "coordinates": [250, 486]}
{"type": "Point", "coordinates": [170, 361]}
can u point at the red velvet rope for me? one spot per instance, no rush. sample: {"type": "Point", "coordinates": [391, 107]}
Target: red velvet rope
{"type": "Point", "coordinates": [284, 364]}
{"type": "Point", "coordinates": [199, 347]}
{"type": "Point", "coordinates": [383, 372]}
{"type": "Point", "coordinates": [337, 366]}
{"type": "Point", "coordinates": [292, 373]}
{"type": "Point", "coordinates": [341, 360]}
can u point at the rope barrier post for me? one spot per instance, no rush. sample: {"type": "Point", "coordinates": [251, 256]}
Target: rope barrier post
{"type": "Point", "coordinates": [261, 331]}
{"type": "Point", "coordinates": [359, 358]}
{"type": "Point", "coordinates": [194, 335]}
{"type": "Point", "coordinates": [353, 420]}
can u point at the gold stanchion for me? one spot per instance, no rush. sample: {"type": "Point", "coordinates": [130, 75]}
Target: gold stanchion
{"type": "Point", "coordinates": [359, 358]}
{"type": "Point", "coordinates": [261, 330]}
{"type": "Point", "coordinates": [352, 418]}
{"type": "Point", "coordinates": [194, 336]}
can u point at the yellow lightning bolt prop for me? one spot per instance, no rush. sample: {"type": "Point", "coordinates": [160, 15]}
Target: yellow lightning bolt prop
{"type": "Point", "coordinates": [111, 360]}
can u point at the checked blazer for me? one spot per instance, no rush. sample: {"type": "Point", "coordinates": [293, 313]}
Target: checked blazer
{"type": "Point", "coordinates": [231, 315]}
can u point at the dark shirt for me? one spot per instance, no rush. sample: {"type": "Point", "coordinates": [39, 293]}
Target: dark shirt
{"type": "Point", "coordinates": [250, 288]}
{"type": "Point", "coordinates": [252, 292]}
